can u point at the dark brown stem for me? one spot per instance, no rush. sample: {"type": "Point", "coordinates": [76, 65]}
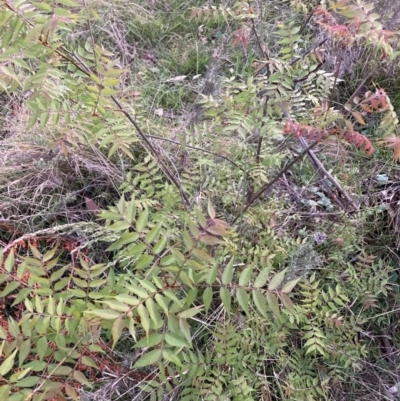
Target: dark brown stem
{"type": "Point", "coordinates": [309, 18]}
{"type": "Point", "coordinates": [268, 185]}
{"type": "Point", "coordinates": [359, 87]}
{"type": "Point", "coordinates": [308, 51]}
{"type": "Point", "coordinates": [259, 150]}
{"type": "Point", "coordinates": [82, 67]}
{"type": "Point", "coordinates": [323, 173]}
{"type": "Point", "coordinates": [149, 144]}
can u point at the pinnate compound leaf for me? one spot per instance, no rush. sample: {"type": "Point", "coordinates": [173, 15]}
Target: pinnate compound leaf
{"type": "Point", "coordinates": [392, 141]}
{"type": "Point", "coordinates": [142, 220]}
{"type": "Point", "coordinates": [80, 378]}
{"type": "Point", "coordinates": [162, 302]}
{"type": "Point", "coordinates": [59, 370]}
{"type": "Point", "coordinates": [193, 229]}
{"type": "Point", "coordinates": [187, 240]}
{"type": "Point", "coordinates": [228, 273]}
{"type": "Point", "coordinates": [19, 375]}
{"type": "Point", "coordinates": [3, 333]}
{"type": "Point", "coordinates": [215, 230]}
{"type": "Point", "coordinates": [41, 347]}
{"type": "Point", "coordinates": [143, 262]}
{"type": "Point", "coordinates": [262, 277]}
{"type": "Point", "coordinates": [287, 287]}
{"type": "Point", "coordinates": [200, 254]}
{"type": "Point", "coordinates": [151, 341]}
{"type": "Point", "coordinates": [131, 328]}
{"type": "Point", "coordinates": [207, 298]}
{"type": "Point", "coordinates": [116, 330]}
{"type": "Point", "coordinates": [130, 211]}
{"type": "Point", "coordinates": [245, 276]}
{"type": "Point", "coordinates": [9, 263]}
{"type": "Point", "coordinates": [190, 312]}
{"type": "Point", "coordinates": [210, 240]}
{"type": "Point", "coordinates": [160, 245]}
{"type": "Point", "coordinates": [175, 340]}
{"type": "Point", "coordinates": [148, 285]}
{"type": "Point", "coordinates": [357, 115]}
{"type": "Point", "coordinates": [30, 381]}
{"type": "Point", "coordinates": [276, 281]}
{"type": "Point", "coordinates": [89, 362]}
{"type": "Point", "coordinates": [149, 358]}
{"type": "Point", "coordinates": [120, 226]}
{"type": "Point", "coordinates": [212, 274]}
{"type": "Point", "coordinates": [108, 92]}
{"type": "Point", "coordinates": [71, 392]}
{"type": "Point", "coordinates": [106, 314]}
{"type": "Point", "coordinates": [225, 298]}
{"type": "Point", "coordinates": [127, 299]}
{"type": "Point", "coordinates": [4, 392]}
{"type": "Point", "coordinates": [260, 302]}
{"type": "Point", "coordinates": [7, 364]}
{"type": "Point", "coordinates": [243, 299]}
{"type": "Point", "coordinates": [221, 223]}
{"type": "Point", "coordinates": [153, 234]}
{"type": "Point", "coordinates": [139, 291]}
{"type": "Point", "coordinates": [185, 330]}
{"type": "Point", "coordinates": [273, 304]}
{"type": "Point", "coordinates": [200, 218]}
{"type": "Point", "coordinates": [24, 350]}
{"type": "Point", "coordinates": [288, 303]}
{"type": "Point", "coordinates": [144, 318]}
{"type": "Point", "coordinates": [153, 311]}
{"type": "Point", "coordinates": [9, 288]}
{"type": "Point", "coordinates": [315, 348]}
{"type": "Point", "coordinates": [117, 306]}
{"type": "Point", "coordinates": [171, 356]}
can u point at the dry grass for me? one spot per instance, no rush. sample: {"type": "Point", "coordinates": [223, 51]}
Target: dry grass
{"type": "Point", "coordinates": [42, 184]}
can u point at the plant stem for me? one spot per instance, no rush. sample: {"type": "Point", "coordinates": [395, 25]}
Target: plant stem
{"type": "Point", "coordinates": [268, 185]}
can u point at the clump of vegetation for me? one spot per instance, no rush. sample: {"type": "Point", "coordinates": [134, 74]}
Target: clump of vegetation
{"type": "Point", "coordinates": [196, 203]}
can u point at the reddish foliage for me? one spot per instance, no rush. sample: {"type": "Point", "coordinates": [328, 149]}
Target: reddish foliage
{"type": "Point", "coordinates": [346, 34]}
{"type": "Point", "coordinates": [241, 36]}
{"type": "Point", "coordinates": [377, 101]}
{"type": "Point", "coordinates": [393, 141]}
{"type": "Point", "coordinates": [325, 17]}
{"type": "Point", "coordinates": [319, 134]}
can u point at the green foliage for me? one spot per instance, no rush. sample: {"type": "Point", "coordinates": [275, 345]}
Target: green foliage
{"type": "Point", "coordinates": [205, 280]}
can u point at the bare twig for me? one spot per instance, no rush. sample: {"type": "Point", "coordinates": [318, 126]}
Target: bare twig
{"type": "Point", "coordinates": [82, 67]}
{"type": "Point", "coordinates": [308, 51]}
{"type": "Point", "coordinates": [323, 173]}
{"type": "Point", "coordinates": [44, 381]}
{"type": "Point", "coordinates": [362, 83]}
{"type": "Point", "coordinates": [309, 18]}
{"type": "Point", "coordinates": [268, 185]}
{"type": "Point", "coordinates": [153, 150]}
